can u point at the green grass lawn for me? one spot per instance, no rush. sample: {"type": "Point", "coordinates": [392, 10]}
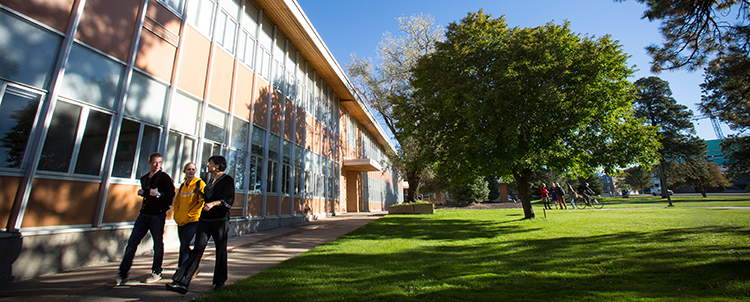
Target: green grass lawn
{"type": "Point", "coordinates": [642, 251]}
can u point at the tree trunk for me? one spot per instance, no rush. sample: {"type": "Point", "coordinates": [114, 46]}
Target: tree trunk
{"type": "Point", "coordinates": [522, 179]}
{"type": "Point", "coordinates": [704, 190]}
{"type": "Point", "coordinates": [664, 186]}
{"type": "Point", "coordinates": [413, 179]}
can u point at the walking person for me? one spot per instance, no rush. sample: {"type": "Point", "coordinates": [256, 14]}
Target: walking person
{"type": "Point", "coordinates": [545, 197]}
{"type": "Point", "coordinates": [213, 223]}
{"type": "Point", "coordinates": [573, 196]}
{"type": "Point", "coordinates": [553, 195]}
{"type": "Point", "coordinates": [187, 209]}
{"type": "Point", "coordinates": [561, 196]}
{"type": "Point", "coordinates": [157, 191]}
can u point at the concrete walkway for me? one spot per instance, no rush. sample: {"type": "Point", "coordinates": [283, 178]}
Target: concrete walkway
{"type": "Point", "coordinates": [248, 255]}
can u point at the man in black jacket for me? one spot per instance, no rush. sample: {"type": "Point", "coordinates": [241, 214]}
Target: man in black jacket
{"type": "Point", "coordinates": [157, 190]}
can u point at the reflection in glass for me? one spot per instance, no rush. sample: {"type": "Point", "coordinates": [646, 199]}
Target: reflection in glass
{"type": "Point", "coordinates": [184, 114]}
{"type": "Point", "coordinates": [91, 78]}
{"type": "Point", "coordinates": [17, 115]}
{"type": "Point", "coordinates": [93, 143]}
{"type": "Point", "coordinates": [236, 168]}
{"type": "Point", "coordinates": [239, 133]}
{"type": "Point", "coordinates": [126, 149]}
{"type": "Point", "coordinates": [172, 165]}
{"type": "Point", "coordinates": [149, 144]}
{"type": "Point", "coordinates": [27, 52]}
{"type": "Point", "coordinates": [61, 138]}
{"type": "Point", "coordinates": [145, 98]}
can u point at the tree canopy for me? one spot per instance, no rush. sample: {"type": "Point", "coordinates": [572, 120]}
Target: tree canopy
{"type": "Point", "coordinates": [386, 84]}
{"type": "Point", "coordinates": [637, 178]}
{"type": "Point", "coordinates": [511, 100]}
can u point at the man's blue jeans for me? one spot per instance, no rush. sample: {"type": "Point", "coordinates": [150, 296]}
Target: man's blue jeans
{"type": "Point", "coordinates": [143, 224]}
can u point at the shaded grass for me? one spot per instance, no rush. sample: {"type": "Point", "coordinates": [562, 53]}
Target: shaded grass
{"type": "Point", "coordinates": [685, 253]}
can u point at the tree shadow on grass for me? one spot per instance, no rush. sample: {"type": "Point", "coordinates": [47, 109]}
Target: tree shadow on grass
{"type": "Point", "coordinates": [656, 265]}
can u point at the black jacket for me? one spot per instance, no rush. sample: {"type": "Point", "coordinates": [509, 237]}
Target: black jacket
{"type": "Point", "coordinates": [153, 205]}
{"type": "Point", "coordinates": [220, 190]}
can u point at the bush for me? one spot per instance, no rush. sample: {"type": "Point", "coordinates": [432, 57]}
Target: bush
{"type": "Point", "coordinates": [471, 192]}
{"type": "Point", "coordinates": [494, 189]}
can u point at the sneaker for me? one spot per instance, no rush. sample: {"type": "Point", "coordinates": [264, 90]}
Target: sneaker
{"type": "Point", "coordinates": [154, 278]}
{"type": "Point", "coordinates": [218, 286]}
{"type": "Point", "coordinates": [119, 280]}
{"type": "Point", "coordinates": [178, 288]}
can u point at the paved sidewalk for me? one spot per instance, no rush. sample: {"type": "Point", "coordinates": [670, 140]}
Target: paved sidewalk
{"type": "Point", "coordinates": [248, 255]}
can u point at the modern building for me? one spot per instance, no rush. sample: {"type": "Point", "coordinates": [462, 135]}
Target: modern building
{"type": "Point", "coordinates": [89, 88]}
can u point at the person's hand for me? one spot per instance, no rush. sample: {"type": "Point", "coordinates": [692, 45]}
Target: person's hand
{"type": "Point", "coordinates": [140, 192]}
{"type": "Point", "coordinates": [208, 206]}
{"type": "Point", "coordinates": [197, 189]}
{"type": "Point", "coordinates": [154, 192]}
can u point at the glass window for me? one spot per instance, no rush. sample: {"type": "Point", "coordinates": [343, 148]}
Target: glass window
{"type": "Point", "coordinates": [27, 52]}
{"type": "Point", "coordinates": [149, 144]}
{"type": "Point", "coordinates": [273, 162]}
{"type": "Point", "coordinates": [61, 138]}
{"type": "Point", "coordinates": [259, 135]}
{"type": "Point", "coordinates": [90, 77]}
{"type": "Point", "coordinates": [184, 114]}
{"type": "Point", "coordinates": [239, 133]}
{"type": "Point", "coordinates": [127, 149]}
{"type": "Point", "coordinates": [180, 151]}
{"type": "Point", "coordinates": [176, 5]}
{"type": "Point", "coordinates": [226, 29]}
{"type": "Point", "coordinates": [18, 110]}
{"type": "Point", "coordinates": [215, 125]}
{"type": "Point", "coordinates": [236, 168]}
{"type": "Point", "coordinates": [201, 15]}
{"type": "Point", "coordinates": [256, 168]}
{"type": "Point", "coordinates": [209, 149]}
{"type": "Point", "coordinates": [146, 98]}
{"type": "Point", "coordinates": [246, 48]}
{"type": "Point", "coordinates": [93, 143]}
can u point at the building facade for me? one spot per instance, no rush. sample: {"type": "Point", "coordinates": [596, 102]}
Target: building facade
{"type": "Point", "coordinates": [89, 88]}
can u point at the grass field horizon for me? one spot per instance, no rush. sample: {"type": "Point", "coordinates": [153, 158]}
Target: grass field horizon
{"type": "Point", "coordinates": [635, 249]}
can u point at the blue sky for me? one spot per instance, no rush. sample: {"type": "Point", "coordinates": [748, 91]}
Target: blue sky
{"type": "Point", "coordinates": [356, 26]}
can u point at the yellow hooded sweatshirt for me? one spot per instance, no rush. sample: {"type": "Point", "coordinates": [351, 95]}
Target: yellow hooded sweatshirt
{"type": "Point", "coordinates": [187, 204]}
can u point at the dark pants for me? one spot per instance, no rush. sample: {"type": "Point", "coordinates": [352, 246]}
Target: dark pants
{"type": "Point", "coordinates": [218, 231]}
{"type": "Point", "coordinates": [186, 233]}
{"type": "Point", "coordinates": [143, 224]}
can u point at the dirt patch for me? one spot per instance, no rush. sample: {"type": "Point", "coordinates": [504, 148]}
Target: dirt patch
{"type": "Point", "coordinates": [481, 206]}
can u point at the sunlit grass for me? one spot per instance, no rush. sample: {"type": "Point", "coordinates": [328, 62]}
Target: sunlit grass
{"type": "Point", "coordinates": [690, 252]}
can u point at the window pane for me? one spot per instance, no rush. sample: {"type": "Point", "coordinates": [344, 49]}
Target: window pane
{"type": "Point", "coordinates": [149, 144]}
{"type": "Point", "coordinates": [272, 167]}
{"type": "Point", "coordinates": [230, 31]}
{"type": "Point", "coordinates": [61, 138]}
{"type": "Point", "coordinates": [258, 137]}
{"type": "Point", "coordinates": [175, 4]}
{"type": "Point", "coordinates": [209, 149]}
{"type": "Point", "coordinates": [239, 134]}
{"type": "Point", "coordinates": [184, 114]}
{"type": "Point", "coordinates": [255, 174]}
{"type": "Point", "coordinates": [17, 115]}
{"type": "Point", "coordinates": [236, 168]}
{"type": "Point", "coordinates": [126, 149]}
{"type": "Point", "coordinates": [188, 153]}
{"type": "Point", "coordinates": [27, 52]}
{"type": "Point", "coordinates": [91, 78]}
{"type": "Point", "coordinates": [145, 98]}
{"type": "Point", "coordinates": [93, 143]}
{"type": "Point", "coordinates": [273, 146]}
{"type": "Point", "coordinates": [172, 163]}
{"type": "Point", "coordinates": [215, 124]}
{"type": "Point", "coordinates": [201, 15]}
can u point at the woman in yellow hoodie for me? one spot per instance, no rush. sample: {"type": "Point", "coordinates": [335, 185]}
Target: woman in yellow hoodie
{"type": "Point", "coordinates": [187, 209]}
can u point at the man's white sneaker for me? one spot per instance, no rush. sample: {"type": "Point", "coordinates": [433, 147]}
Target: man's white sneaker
{"type": "Point", "coordinates": [154, 278]}
{"type": "Point", "coordinates": [120, 280]}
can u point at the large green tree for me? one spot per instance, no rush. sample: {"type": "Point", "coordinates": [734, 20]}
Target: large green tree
{"type": "Point", "coordinates": [637, 178]}
{"type": "Point", "coordinates": [700, 174]}
{"type": "Point", "coordinates": [387, 83]}
{"type": "Point", "coordinates": [655, 104]}
{"type": "Point", "coordinates": [512, 100]}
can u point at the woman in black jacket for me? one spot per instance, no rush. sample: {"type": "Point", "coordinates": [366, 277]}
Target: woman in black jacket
{"type": "Point", "coordinates": [214, 222]}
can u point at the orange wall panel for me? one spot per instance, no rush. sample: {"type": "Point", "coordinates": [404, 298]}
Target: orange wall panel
{"type": "Point", "coordinates": [271, 205]}
{"type": "Point", "coordinates": [255, 205]}
{"type": "Point", "coordinates": [299, 204]}
{"type": "Point", "coordinates": [193, 62]}
{"type": "Point", "coordinates": [261, 102]}
{"type": "Point", "coordinates": [289, 121]}
{"type": "Point", "coordinates": [286, 205]}
{"type": "Point", "coordinates": [276, 117]}
{"type": "Point", "coordinates": [155, 56]}
{"type": "Point", "coordinates": [54, 13]}
{"type": "Point", "coordinates": [239, 204]}
{"type": "Point", "coordinates": [108, 26]}
{"type": "Point", "coordinates": [221, 79]}
{"type": "Point", "coordinates": [243, 95]}
{"type": "Point", "coordinates": [164, 16]}
{"type": "Point", "coordinates": [61, 202]}
{"type": "Point", "coordinates": [299, 133]}
{"type": "Point", "coordinates": [310, 137]}
{"type": "Point", "coordinates": [8, 188]}
{"type": "Point", "coordinates": [123, 203]}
